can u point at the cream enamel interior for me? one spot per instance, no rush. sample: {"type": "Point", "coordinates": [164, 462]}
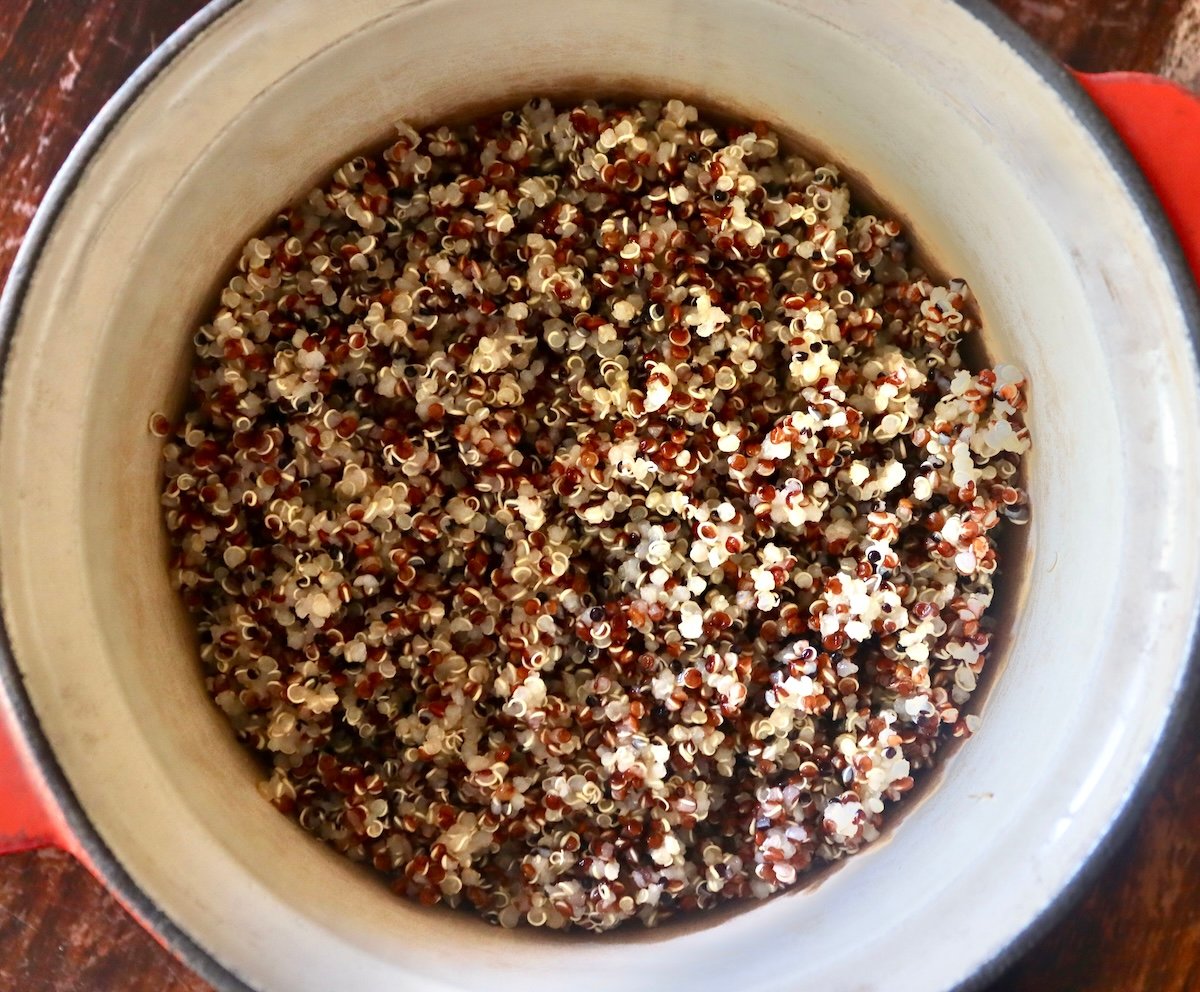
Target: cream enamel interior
{"type": "Point", "coordinates": [1000, 183]}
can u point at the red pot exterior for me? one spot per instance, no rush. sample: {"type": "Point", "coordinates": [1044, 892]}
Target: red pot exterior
{"type": "Point", "coordinates": [28, 818]}
{"type": "Point", "coordinates": [1160, 122]}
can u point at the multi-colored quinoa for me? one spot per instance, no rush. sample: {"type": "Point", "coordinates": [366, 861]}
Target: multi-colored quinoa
{"type": "Point", "coordinates": [588, 515]}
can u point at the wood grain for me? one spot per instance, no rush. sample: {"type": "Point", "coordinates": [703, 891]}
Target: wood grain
{"type": "Point", "coordinates": [60, 60]}
{"type": "Point", "coordinates": [1099, 35]}
{"type": "Point", "coordinates": [1181, 55]}
{"type": "Point", "coordinates": [1137, 926]}
{"type": "Point", "coordinates": [60, 931]}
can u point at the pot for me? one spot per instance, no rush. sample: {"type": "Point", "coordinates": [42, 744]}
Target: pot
{"type": "Point", "coordinates": [1009, 175]}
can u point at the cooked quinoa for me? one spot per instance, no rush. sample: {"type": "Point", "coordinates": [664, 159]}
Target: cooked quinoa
{"type": "Point", "coordinates": [588, 514]}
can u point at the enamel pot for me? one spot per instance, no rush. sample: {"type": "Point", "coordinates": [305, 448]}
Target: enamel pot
{"type": "Point", "coordinates": [1009, 174]}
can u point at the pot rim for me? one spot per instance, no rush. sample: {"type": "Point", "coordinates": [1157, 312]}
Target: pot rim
{"type": "Point", "coordinates": [86, 837]}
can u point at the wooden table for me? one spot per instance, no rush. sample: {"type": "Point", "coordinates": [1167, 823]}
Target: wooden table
{"type": "Point", "coordinates": [1137, 927]}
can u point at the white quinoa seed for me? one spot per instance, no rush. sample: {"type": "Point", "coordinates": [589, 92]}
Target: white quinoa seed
{"type": "Point", "coordinates": [587, 514]}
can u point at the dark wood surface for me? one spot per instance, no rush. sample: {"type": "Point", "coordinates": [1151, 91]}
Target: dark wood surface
{"type": "Point", "coordinates": [1136, 927]}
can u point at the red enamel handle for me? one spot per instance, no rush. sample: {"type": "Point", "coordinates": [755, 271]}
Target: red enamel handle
{"type": "Point", "coordinates": [1160, 122]}
{"type": "Point", "coordinates": [28, 817]}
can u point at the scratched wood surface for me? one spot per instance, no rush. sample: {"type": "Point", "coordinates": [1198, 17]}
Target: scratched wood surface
{"type": "Point", "coordinates": [1136, 927]}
